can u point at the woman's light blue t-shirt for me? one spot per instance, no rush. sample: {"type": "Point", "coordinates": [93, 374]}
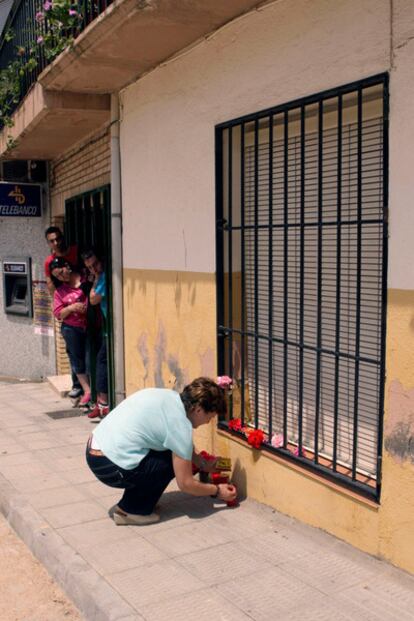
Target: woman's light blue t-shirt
{"type": "Point", "coordinates": [153, 418]}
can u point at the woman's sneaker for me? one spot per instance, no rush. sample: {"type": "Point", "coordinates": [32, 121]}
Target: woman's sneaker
{"type": "Point", "coordinates": [103, 409]}
{"type": "Point", "coordinates": [99, 411]}
{"type": "Point", "coordinates": [121, 518]}
{"type": "Point", "coordinates": [75, 392]}
{"type": "Point", "coordinates": [95, 413]}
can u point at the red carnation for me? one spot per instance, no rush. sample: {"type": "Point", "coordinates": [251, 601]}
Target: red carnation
{"type": "Point", "coordinates": [207, 456]}
{"type": "Point", "coordinates": [256, 438]}
{"type": "Point", "coordinates": [235, 424]}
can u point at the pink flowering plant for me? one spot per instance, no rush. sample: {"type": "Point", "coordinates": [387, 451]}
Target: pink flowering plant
{"type": "Point", "coordinates": [225, 382]}
{"type": "Point", "coordinates": [55, 27]}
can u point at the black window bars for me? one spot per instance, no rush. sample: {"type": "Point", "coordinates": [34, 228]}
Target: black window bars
{"type": "Point", "coordinates": [302, 193]}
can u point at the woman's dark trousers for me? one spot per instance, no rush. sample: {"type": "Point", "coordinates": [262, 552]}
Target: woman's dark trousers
{"type": "Point", "coordinates": [143, 486]}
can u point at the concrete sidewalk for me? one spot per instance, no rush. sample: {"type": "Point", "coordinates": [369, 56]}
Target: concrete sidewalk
{"type": "Point", "coordinates": [201, 562]}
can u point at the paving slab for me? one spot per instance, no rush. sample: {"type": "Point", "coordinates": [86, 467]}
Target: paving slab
{"type": "Point", "coordinates": [201, 561]}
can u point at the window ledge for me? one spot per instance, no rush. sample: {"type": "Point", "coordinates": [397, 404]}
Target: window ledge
{"type": "Point", "coordinates": [372, 504]}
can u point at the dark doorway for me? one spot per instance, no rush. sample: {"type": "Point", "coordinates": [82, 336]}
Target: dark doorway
{"type": "Point", "coordinates": [87, 224]}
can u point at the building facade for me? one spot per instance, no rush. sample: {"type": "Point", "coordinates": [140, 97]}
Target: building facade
{"type": "Point", "coordinates": [261, 168]}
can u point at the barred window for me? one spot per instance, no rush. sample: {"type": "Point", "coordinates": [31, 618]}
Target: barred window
{"type": "Point", "coordinates": [301, 266]}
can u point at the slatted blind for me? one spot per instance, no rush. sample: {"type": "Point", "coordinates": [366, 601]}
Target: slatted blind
{"type": "Point", "coordinates": [371, 286]}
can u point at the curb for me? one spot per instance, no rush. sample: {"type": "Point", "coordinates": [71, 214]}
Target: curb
{"type": "Point", "coordinates": [94, 597]}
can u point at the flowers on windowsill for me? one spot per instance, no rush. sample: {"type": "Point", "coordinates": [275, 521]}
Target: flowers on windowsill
{"type": "Point", "coordinates": [255, 437]}
{"type": "Point", "coordinates": [278, 441]}
{"type": "Point", "coordinates": [225, 382]}
{"type": "Point", "coordinates": [235, 424]}
{"type": "Point", "coordinates": [296, 452]}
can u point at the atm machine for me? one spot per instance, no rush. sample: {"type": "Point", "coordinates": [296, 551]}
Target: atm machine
{"type": "Point", "coordinates": [17, 286]}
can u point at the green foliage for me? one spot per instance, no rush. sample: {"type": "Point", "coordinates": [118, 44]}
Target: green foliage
{"type": "Point", "coordinates": [9, 88]}
{"type": "Point", "coordinates": [9, 35]}
{"type": "Point", "coordinates": [11, 143]}
{"type": "Point", "coordinates": [56, 28]}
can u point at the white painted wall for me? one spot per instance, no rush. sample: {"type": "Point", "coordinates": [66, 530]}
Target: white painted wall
{"type": "Point", "coordinates": [287, 50]}
{"type": "Point", "coordinates": [401, 179]}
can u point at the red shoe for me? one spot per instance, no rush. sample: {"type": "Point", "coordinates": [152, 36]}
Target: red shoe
{"type": "Point", "coordinates": [103, 409]}
{"type": "Point", "coordinates": [95, 413]}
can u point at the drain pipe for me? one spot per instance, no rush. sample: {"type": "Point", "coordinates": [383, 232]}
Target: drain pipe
{"type": "Point", "coordinates": [116, 254]}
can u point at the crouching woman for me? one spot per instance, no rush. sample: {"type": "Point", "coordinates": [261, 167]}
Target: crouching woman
{"type": "Point", "coordinates": [147, 440]}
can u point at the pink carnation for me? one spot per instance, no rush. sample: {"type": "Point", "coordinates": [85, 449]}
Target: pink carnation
{"type": "Point", "coordinates": [73, 13]}
{"type": "Point", "coordinates": [40, 39]}
{"type": "Point", "coordinates": [47, 5]}
{"type": "Point", "coordinates": [277, 440]}
{"type": "Point", "coordinates": [225, 382]}
{"type": "Point", "coordinates": [296, 452]}
{"type": "Point", "coordinates": [40, 17]}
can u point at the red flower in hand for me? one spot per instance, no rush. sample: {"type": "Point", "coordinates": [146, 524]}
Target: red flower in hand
{"type": "Point", "coordinates": [256, 438]}
{"type": "Point", "coordinates": [235, 424]}
{"type": "Point", "coordinates": [207, 456]}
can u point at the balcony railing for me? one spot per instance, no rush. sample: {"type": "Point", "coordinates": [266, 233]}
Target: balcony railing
{"type": "Point", "coordinates": [20, 34]}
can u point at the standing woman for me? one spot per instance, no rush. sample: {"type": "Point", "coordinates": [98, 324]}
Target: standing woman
{"type": "Point", "coordinates": [70, 306]}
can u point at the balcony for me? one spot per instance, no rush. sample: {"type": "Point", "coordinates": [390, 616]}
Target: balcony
{"type": "Point", "coordinates": [118, 42]}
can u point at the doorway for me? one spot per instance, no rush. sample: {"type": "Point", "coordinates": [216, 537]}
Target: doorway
{"type": "Point", "coordinates": [87, 224]}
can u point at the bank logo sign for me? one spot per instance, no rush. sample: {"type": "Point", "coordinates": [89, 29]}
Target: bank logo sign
{"type": "Point", "coordinates": [20, 200]}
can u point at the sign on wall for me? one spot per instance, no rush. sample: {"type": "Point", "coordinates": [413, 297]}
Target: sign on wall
{"type": "Point", "coordinates": [42, 309]}
{"type": "Point", "coordinates": [20, 200]}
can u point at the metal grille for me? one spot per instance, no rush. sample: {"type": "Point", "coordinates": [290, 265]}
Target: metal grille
{"type": "Point", "coordinates": [301, 257]}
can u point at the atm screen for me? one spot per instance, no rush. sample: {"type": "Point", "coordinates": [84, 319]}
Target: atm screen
{"type": "Point", "coordinates": [20, 293]}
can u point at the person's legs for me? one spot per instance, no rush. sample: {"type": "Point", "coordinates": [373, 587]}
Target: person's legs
{"type": "Point", "coordinates": [101, 408]}
{"type": "Point", "coordinates": [75, 340]}
{"type": "Point", "coordinates": [102, 373]}
{"type": "Point", "coordinates": [146, 483]}
{"type": "Point", "coordinates": [143, 485]}
{"type": "Point", "coordinates": [84, 382]}
{"type": "Point", "coordinates": [75, 381]}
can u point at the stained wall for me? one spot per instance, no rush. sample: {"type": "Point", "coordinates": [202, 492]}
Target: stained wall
{"type": "Point", "coordinates": [271, 56]}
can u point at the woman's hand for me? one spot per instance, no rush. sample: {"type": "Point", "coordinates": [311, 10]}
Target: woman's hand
{"type": "Point", "coordinates": [226, 492]}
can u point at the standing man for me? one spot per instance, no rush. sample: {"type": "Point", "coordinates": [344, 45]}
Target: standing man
{"type": "Point", "coordinates": [58, 248]}
{"type": "Point", "coordinates": [98, 295]}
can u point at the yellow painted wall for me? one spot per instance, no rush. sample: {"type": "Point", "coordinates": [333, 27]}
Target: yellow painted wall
{"type": "Point", "coordinates": [396, 536]}
{"type": "Point", "coordinates": [170, 321]}
{"type": "Point", "coordinates": [170, 338]}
